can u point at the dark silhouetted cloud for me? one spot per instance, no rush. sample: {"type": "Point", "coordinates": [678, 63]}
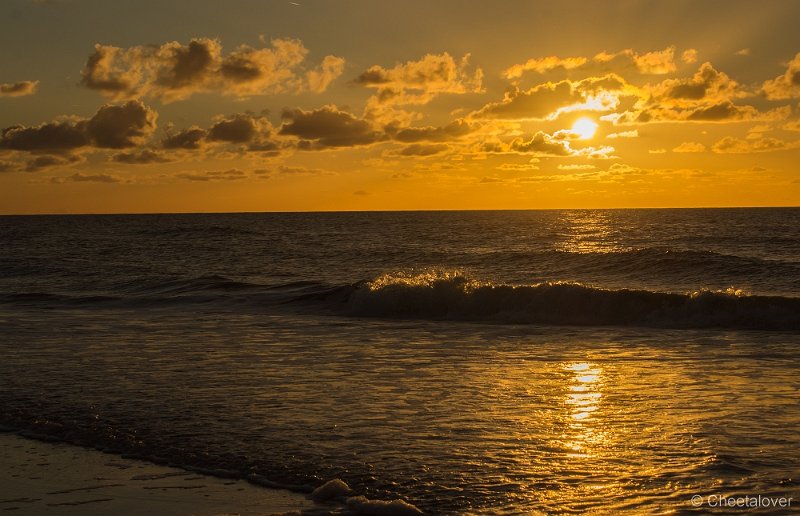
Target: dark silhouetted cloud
{"type": "Point", "coordinates": [175, 71]}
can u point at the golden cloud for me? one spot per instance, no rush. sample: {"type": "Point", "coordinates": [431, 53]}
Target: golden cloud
{"type": "Point", "coordinates": [785, 86]}
{"type": "Point", "coordinates": [18, 89]}
{"type": "Point", "coordinates": [686, 147]}
{"type": "Point", "coordinates": [658, 62]}
{"type": "Point", "coordinates": [730, 145]}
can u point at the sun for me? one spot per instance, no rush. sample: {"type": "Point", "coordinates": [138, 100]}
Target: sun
{"type": "Point", "coordinates": [584, 128]}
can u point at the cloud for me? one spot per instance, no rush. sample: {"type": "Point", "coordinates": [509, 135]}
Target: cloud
{"type": "Point", "coordinates": [191, 138]}
{"type": "Point", "coordinates": [730, 145]}
{"type": "Point", "coordinates": [743, 52]}
{"type": "Point", "coordinates": [657, 151]}
{"type": "Point", "coordinates": [86, 178]}
{"type": "Point", "coordinates": [236, 129]}
{"type": "Point", "coordinates": [624, 134]}
{"type": "Point", "coordinates": [686, 147]}
{"type": "Point", "coordinates": [118, 127]}
{"type": "Point", "coordinates": [303, 171]}
{"type": "Point", "coordinates": [785, 86]}
{"type": "Point", "coordinates": [47, 161]}
{"type": "Point", "coordinates": [658, 62]}
{"type": "Point", "coordinates": [233, 174]}
{"type": "Point", "coordinates": [689, 56]}
{"type": "Point", "coordinates": [451, 131]}
{"type": "Point", "coordinates": [518, 167]}
{"type": "Point", "coordinates": [48, 137]}
{"type": "Point", "coordinates": [550, 99]}
{"type": "Point", "coordinates": [143, 157]}
{"type": "Point", "coordinates": [175, 71]}
{"type": "Point", "coordinates": [706, 84]}
{"type": "Point", "coordinates": [708, 96]}
{"type": "Point", "coordinates": [327, 127]}
{"type": "Point", "coordinates": [246, 131]}
{"type": "Point", "coordinates": [418, 82]}
{"type": "Point", "coordinates": [793, 125]}
{"type": "Point", "coordinates": [576, 167]}
{"type": "Point", "coordinates": [112, 127]}
{"type": "Point", "coordinates": [421, 149]}
{"type": "Point", "coordinates": [543, 65]}
{"type": "Point", "coordinates": [544, 145]}
{"type": "Point", "coordinates": [18, 89]}
{"type": "Point", "coordinates": [318, 80]}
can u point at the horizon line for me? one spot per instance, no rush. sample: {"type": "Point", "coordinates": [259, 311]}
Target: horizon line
{"type": "Point", "coordinates": [51, 214]}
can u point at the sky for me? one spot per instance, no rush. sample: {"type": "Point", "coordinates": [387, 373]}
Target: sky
{"type": "Point", "coordinates": [310, 105]}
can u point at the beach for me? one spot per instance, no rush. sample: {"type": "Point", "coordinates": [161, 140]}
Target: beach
{"type": "Point", "coordinates": [40, 477]}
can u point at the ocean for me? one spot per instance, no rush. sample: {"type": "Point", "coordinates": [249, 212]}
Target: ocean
{"type": "Point", "coordinates": [466, 362]}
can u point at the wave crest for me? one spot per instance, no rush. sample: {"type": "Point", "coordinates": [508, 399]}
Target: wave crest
{"type": "Point", "coordinates": [454, 295]}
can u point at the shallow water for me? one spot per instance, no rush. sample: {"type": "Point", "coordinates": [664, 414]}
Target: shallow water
{"type": "Point", "coordinates": [250, 352]}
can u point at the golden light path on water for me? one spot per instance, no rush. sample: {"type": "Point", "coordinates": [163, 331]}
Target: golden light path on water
{"type": "Point", "coordinates": [583, 401]}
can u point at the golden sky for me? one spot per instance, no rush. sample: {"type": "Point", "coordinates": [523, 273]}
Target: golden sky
{"type": "Point", "coordinates": [261, 105]}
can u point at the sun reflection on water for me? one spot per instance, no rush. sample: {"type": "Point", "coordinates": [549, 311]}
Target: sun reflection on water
{"type": "Point", "coordinates": [590, 232]}
{"type": "Point", "coordinates": [583, 401]}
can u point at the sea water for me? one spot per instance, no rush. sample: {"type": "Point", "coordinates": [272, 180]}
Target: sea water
{"type": "Point", "coordinates": [465, 362]}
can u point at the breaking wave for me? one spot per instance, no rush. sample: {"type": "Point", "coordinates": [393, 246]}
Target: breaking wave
{"type": "Point", "coordinates": [458, 297]}
{"type": "Point", "coordinates": [449, 296]}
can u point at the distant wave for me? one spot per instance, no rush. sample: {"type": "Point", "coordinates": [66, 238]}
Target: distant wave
{"type": "Point", "coordinates": [449, 296]}
{"type": "Point", "coordinates": [650, 260]}
{"type": "Point", "coordinates": [453, 296]}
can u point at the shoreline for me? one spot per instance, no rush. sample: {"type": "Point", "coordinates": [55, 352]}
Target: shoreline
{"type": "Point", "coordinates": [57, 478]}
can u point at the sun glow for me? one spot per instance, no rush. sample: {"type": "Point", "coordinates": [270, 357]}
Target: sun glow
{"type": "Point", "coordinates": [584, 127]}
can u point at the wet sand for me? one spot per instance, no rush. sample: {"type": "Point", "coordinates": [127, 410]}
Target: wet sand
{"type": "Point", "coordinates": [55, 478]}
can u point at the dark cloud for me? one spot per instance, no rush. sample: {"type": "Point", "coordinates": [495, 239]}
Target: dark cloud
{"type": "Point", "coordinates": [233, 174]}
{"type": "Point", "coordinates": [118, 127]}
{"type": "Point", "coordinates": [143, 157]}
{"type": "Point", "coordinates": [190, 138]}
{"type": "Point", "coordinates": [422, 149]}
{"type": "Point", "coordinates": [113, 127]}
{"type": "Point", "coordinates": [717, 112]}
{"type": "Point", "coordinates": [175, 71]}
{"type": "Point", "coordinates": [327, 127]}
{"type": "Point", "coordinates": [249, 132]}
{"type": "Point", "coordinates": [86, 178]}
{"type": "Point", "coordinates": [449, 132]}
{"type": "Point", "coordinates": [48, 161]}
{"type": "Point", "coordinates": [237, 129]}
{"type": "Point", "coordinates": [542, 144]}
{"type": "Point", "coordinates": [706, 84]}
{"type": "Point", "coordinates": [184, 66]}
{"type": "Point", "coordinates": [547, 100]}
{"type": "Point", "coordinates": [18, 89]}
{"type": "Point", "coordinates": [48, 137]}
{"type": "Point", "coordinates": [536, 103]}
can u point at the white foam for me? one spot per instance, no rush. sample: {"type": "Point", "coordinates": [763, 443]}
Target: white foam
{"type": "Point", "coordinates": [363, 506]}
{"type": "Point", "coordinates": [331, 489]}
